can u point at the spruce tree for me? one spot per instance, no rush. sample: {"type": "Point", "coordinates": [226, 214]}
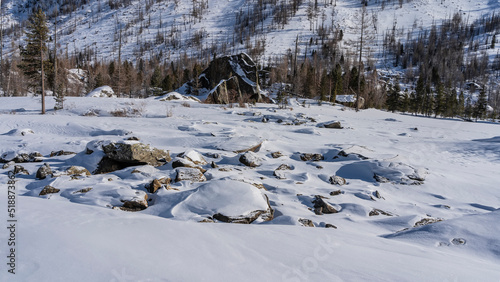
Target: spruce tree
{"type": "Point", "coordinates": [481, 105]}
{"type": "Point", "coordinates": [33, 63]}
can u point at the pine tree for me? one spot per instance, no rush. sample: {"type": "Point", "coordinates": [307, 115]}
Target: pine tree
{"type": "Point", "coordinates": [33, 62]}
{"type": "Point", "coordinates": [393, 99]}
{"type": "Point", "coordinates": [440, 100]}
{"type": "Point", "coordinates": [481, 105]}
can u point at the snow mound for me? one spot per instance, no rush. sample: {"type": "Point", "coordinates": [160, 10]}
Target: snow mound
{"type": "Point", "coordinates": [474, 233]}
{"type": "Point", "coordinates": [20, 132]}
{"type": "Point", "coordinates": [176, 96]}
{"type": "Point", "coordinates": [102, 92]}
{"type": "Point", "coordinates": [228, 197]}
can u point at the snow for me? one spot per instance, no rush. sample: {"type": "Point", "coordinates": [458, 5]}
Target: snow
{"type": "Point", "coordinates": [77, 236]}
{"type": "Point", "coordinates": [102, 92]}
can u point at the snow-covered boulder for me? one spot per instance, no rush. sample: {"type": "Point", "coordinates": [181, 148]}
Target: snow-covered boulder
{"type": "Point", "coordinates": [227, 201]}
{"type": "Point", "coordinates": [250, 159]}
{"type": "Point", "coordinates": [176, 96]}
{"type": "Point", "coordinates": [102, 92]}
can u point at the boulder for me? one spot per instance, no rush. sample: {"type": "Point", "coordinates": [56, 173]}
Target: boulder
{"type": "Point", "coordinates": [426, 221]}
{"type": "Point", "coordinates": [306, 222]}
{"type": "Point", "coordinates": [333, 124]}
{"type": "Point", "coordinates": [194, 157]}
{"type": "Point", "coordinates": [191, 174]}
{"type": "Point", "coordinates": [130, 153]}
{"type": "Point", "coordinates": [375, 212]}
{"type": "Point", "coordinates": [250, 159]}
{"type": "Point", "coordinates": [9, 164]}
{"type": "Point", "coordinates": [228, 79]}
{"type": "Point", "coordinates": [276, 155]}
{"type": "Point", "coordinates": [135, 204]}
{"type": "Point", "coordinates": [322, 207]}
{"type": "Point", "coordinates": [180, 162]}
{"type": "Point", "coordinates": [49, 190]}
{"type": "Point", "coordinates": [61, 153]}
{"type": "Point", "coordinates": [337, 180]}
{"type": "Point", "coordinates": [83, 191]}
{"type": "Point", "coordinates": [156, 184]}
{"type": "Point", "coordinates": [20, 170]}
{"type": "Point", "coordinates": [21, 158]}
{"type": "Point", "coordinates": [336, 193]}
{"type": "Point", "coordinates": [328, 225]}
{"type": "Point", "coordinates": [77, 171]}
{"type": "Point", "coordinates": [311, 157]}
{"type": "Point", "coordinates": [279, 172]}
{"type": "Point", "coordinates": [229, 201]}
{"type": "Point", "coordinates": [43, 171]}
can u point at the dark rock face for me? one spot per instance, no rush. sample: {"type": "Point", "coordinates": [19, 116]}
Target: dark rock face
{"type": "Point", "coordinates": [121, 155]}
{"type": "Point", "coordinates": [228, 79]}
{"type": "Point", "coordinates": [322, 207]}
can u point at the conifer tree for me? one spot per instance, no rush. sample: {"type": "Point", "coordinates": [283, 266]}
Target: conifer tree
{"type": "Point", "coordinates": [33, 62]}
{"type": "Point", "coordinates": [481, 105]}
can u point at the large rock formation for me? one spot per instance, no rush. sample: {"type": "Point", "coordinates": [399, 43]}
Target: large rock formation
{"type": "Point", "coordinates": [228, 79]}
{"type": "Point", "coordinates": [130, 153]}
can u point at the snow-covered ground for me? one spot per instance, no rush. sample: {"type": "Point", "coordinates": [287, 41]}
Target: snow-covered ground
{"type": "Point", "coordinates": [410, 170]}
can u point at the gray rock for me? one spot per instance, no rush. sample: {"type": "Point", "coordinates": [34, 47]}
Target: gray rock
{"type": "Point", "coordinates": [334, 125]}
{"type": "Point", "coordinates": [20, 170]}
{"type": "Point", "coordinates": [180, 162]}
{"type": "Point", "coordinates": [250, 159]}
{"type": "Point", "coordinates": [337, 180]}
{"type": "Point", "coordinates": [130, 153]}
{"type": "Point", "coordinates": [135, 204]}
{"type": "Point", "coordinates": [191, 174]}
{"type": "Point", "coordinates": [43, 171]}
{"type": "Point", "coordinates": [156, 184]}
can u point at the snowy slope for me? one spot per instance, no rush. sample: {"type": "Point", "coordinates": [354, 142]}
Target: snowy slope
{"type": "Point", "coordinates": [77, 236]}
{"type": "Point", "coordinates": [96, 26]}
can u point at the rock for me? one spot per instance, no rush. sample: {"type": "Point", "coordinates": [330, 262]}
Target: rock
{"type": "Point", "coordinates": [254, 148]}
{"type": "Point", "coordinates": [328, 225]}
{"type": "Point", "coordinates": [425, 221]}
{"type": "Point", "coordinates": [259, 186]}
{"type": "Point", "coordinates": [156, 184]}
{"type": "Point", "coordinates": [458, 241]}
{"type": "Point", "coordinates": [279, 171]}
{"type": "Point", "coordinates": [21, 158]}
{"type": "Point", "coordinates": [250, 159]}
{"type": "Point", "coordinates": [194, 157]}
{"type": "Point", "coordinates": [83, 191]}
{"type": "Point", "coordinates": [20, 170]}
{"type": "Point", "coordinates": [213, 165]}
{"type": "Point", "coordinates": [180, 162]}
{"type": "Point", "coordinates": [229, 79]}
{"type": "Point", "coordinates": [133, 138]}
{"type": "Point", "coordinates": [135, 204]}
{"type": "Point", "coordinates": [311, 157]}
{"type": "Point", "coordinates": [228, 201]}
{"type": "Point", "coordinates": [335, 193]}
{"type": "Point", "coordinates": [337, 180]}
{"type": "Point", "coordinates": [9, 164]}
{"type": "Point", "coordinates": [321, 207]}
{"type": "Point", "coordinates": [206, 220]}
{"type": "Point", "coordinates": [191, 174]}
{"type": "Point", "coordinates": [130, 153]}
{"type": "Point", "coordinates": [334, 125]}
{"type": "Point", "coordinates": [380, 178]}
{"type": "Point", "coordinates": [375, 212]}
{"type": "Point", "coordinates": [77, 171]}
{"type": "Point", "coordinates": [276, 155]}
{"type": "Point", "coordinates": [49, 190]}
{"type": "Point", "coordinates": [306, 222]}
{"type": "Point", "coordinates": [61, 153]}
{"type": "Point", "coordinates": [43, 171]}
{"type": "Point", "coordinates": [377, 195]}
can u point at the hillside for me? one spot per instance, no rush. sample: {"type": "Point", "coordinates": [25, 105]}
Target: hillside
{"type": "Point", "coordinates": [200, 28]}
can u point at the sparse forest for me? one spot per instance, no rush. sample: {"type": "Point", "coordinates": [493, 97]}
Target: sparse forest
{"type": "Point", "coordinates": [443, 71]}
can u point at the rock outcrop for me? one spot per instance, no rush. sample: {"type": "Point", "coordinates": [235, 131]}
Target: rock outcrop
{"type": "Point", "coordinates": [228, 79]}
{"type": "Point", "coordinates": [130, 153]}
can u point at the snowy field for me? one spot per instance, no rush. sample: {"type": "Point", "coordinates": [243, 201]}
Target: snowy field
{"type": "Point", "coordinates": [414, 198]}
